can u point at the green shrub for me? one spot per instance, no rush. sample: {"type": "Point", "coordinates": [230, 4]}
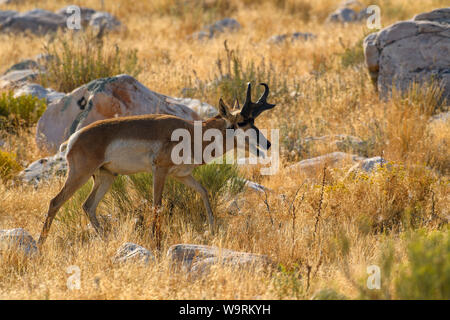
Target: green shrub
{"type": "Point", "coordinates": [24, 110]}
{"type": "Point", "coordinates": [8, 165]}
{"type": "Point", "coordinates": [427, 273]}
{"type": "Point", "coordinates": [353, 55]}
{"type": "Point", "coordinates": [77, 59]}
{"type": "Point", "coordinates": [218, 179]}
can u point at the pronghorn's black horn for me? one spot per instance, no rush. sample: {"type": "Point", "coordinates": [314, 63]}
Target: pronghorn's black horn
{"type": "Point", "coordinates": [247, 108]}
{"type": "Point", "coordinates": [262, 104]}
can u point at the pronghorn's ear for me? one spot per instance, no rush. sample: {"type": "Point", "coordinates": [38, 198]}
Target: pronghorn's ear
{"type": "Point", "coordinates": [224, 111]}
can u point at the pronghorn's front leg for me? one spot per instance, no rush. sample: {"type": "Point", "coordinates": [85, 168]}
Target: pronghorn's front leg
{"type": "Point", "coordinates": [194, 184]}
{"type": "Point", "coordinates": [159, 178]}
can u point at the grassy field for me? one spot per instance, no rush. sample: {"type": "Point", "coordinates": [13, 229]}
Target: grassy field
{"type": "Point", "coordinates": [330, 226]}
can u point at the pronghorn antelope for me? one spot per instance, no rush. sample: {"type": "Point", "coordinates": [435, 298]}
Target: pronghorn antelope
{"type": "Point", "coordinates": [129, 145]}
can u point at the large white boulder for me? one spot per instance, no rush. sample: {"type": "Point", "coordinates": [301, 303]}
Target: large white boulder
{"type": "Point", "coordinates": [416, 50]}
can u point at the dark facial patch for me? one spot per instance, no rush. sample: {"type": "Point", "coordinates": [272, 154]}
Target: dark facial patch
{"type": "Point", "coordinates": [246, 122]}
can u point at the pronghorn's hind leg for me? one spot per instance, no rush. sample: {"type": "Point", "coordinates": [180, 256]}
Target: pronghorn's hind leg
{"type": "Point", "coordinates": [75, 180]}
{"type": "Point", "coordinates": [103, 179]}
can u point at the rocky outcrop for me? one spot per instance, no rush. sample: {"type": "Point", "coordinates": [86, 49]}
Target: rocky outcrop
{"type": "Point", "coordinates": [100, 99]}
{"type": "Point", "coordinates": [413, 51]}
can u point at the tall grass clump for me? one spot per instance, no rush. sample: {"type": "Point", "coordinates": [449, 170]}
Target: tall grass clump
{"type": "Point", "coordinates": [77, 59]}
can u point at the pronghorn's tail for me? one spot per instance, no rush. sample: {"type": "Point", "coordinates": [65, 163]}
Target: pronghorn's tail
{"type": "Point", "coordinates": [63, 146]}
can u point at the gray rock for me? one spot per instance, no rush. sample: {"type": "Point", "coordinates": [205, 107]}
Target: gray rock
{"type": "Point", "coordinates": [36, 21]}
{"type": "Point", "coordinates": [17, 77]}
{"type": "Point", "coordinates": [17, 239]}
{"type": "Point", "coordinates": [199, 258]}
{"type": "Point", "coordinates": [333, 159]}
{"type": "Point", "coordinates": [441, 16]}
{"type": "Point", "coordinates": [202, 108]}
{"type": "Point", "coordinates": [44, 169]}
{"type": "Point", "coordinates": [255, 186]}
{"type": "Point", "coordinates": [40, 92]}
{"type": "Point", "coordinates": [349, 11]}
{"type": "Point", "coordinates": [343, 15]}
{"type": "Point", "coordinates": [370, 164]}
{"type": "Point", "coordinates": [86, 13]}
{"type": "Point", "coordinates": [100, 99]}
{"type": "Point", "coordinates": [221, 26]}
{"type": "Point", "coordinates": [27, 64]}
{"type": "Point", "coordinates": [104, 18]}
{"type": "Point", "coordinates": [4, 15]}
{"type": "Point", "coordinates": [407, 52]}
{"type": "Point", "coordinates": [132, 252]}
{"type": "Point", "coordinates": [278, 39]}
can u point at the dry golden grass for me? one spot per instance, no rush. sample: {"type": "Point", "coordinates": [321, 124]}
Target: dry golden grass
{"type": "Point", "coordinates": [365, 210]}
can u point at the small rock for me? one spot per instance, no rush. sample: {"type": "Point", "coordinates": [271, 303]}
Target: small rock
{"type": "Point", "coordinates": [133, 252]}
{"type": "Point", "coordinates": [27, 64]}
{"type": "Point", "coordinates": [44, 169]}
{"type": "Point", "coordinates": [17, 239]}
{"type": "Point", "coordinates": [277, 39]}
{"type": "Point", "coordinates": [17, 77]}
{"type": "Point", "coordinates": [199, 258]}
{"type": "Point", "coordinates": [255, 186]}
{"type": "Point", "coordinates": [104, 18]}
{"type": "Point", "coordinates": [40, 92]}
{"type": "Point", "coordinates": [86, 13]}
{"type": "Point", "coordinates": [370, 165]}
{"type": "Point", "coordinates": [202, 108]}
{"type": "Point", "coordinates": [221, 26]}
{"type": "Point", "coordinates": [343, 15]}
{"type": "Point", "coordinates": [333, 159]}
